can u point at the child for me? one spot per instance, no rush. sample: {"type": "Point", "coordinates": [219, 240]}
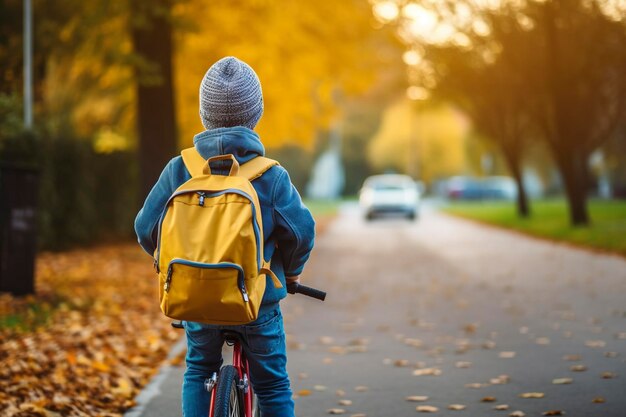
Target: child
{"type": "Point", "coordinates": [231, 104]}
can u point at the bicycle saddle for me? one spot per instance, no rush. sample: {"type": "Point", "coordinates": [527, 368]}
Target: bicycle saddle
{"type": "Point", "coordinates": [231, 336]}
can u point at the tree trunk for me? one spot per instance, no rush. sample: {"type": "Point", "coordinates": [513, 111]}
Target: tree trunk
{"type": "Point", "coordinates": [523, 205]}
{"type": "Point", "coordinates": [573, 172]}
{"type": "Point", "coordinates": [156, 119]}
{"type": "Point", "coordinates": [514, 164]}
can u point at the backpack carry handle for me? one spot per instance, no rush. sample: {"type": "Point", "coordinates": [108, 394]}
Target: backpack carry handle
{"type": "Point", "coordinates": [234, 168]}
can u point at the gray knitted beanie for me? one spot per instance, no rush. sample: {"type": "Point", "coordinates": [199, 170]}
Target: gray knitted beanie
{"type": "Point", "coordinates": [230, 95]}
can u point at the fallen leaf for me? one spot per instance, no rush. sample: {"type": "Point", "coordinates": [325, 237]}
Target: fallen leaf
{"type": "Point", "coordinates": [507, 355]}
{"type": "Point", "coordinates": [572, 358]}
{"type": "Point", "coordinates": [578, 368]}
{"type": "Point", "coordinates": [356, 349]}
{"type": "Point", "coordinates": [500, 380]}
{"type": "Point", "coordinates": [488, 399]}
{"type": "Point", "coordinates": [336, 411]}
{"type": "Point", "coordinates": [542, 341]}
{"type": "Point", "coordinates": [475, 385]}
{"type": "Point", "coordinates": [326, 340]}
{"type": "Point", "coordinates": [427, 372]}
{"type": "Point", "coordinates": [501, 407]}
{"type": "Point", "coordinates": [426, 409]}
{"type": "Point", "coordinates": [553, 413]}
{"type": "Point", "coordinates": [470, 328]}
{"type": "Point", "coordinates": [463, 364]}
{"type": "Point", "coordinates": [358, 415]}
{"type": "Point", "coordinates": [611, 354]}
{"type": "Point", "coordinates": [595, 343]}
{"type": "Point", "coordinates": [517, 414]}
{"type": "Point", "coordinates": [417, 343]}
{"type": "Point", "coordinates": [361, 388]}
{"type": "Point", "coordinates": [608, 375]}
{"type": "Point", "coordinates": [598, 400]}
{"type": "Point", "coordinates": [417, 398]}
{"type": "Point", "coordinates": [304, 392]}
{"type": "Point", "coordinates": [532, 395]}
{"type": "Point", "coordinates": [562, 381]}
{"type": "Point", "coordinates": [295, 345]}
{"type": "Point", "coordinates": [488, 344]}
{"type": "Point", "coordinates": [340, 393]}
{"type": "Point", "coordinates": [124, 388]}
{"type": "Point", "coordinates": [359, 342]}
{"type": "Point", "coordinates": [401, 363]}
{"type": "Point", "coordinates": [456, 407]}
{"type": "Point", "coordinates": [319, 387]}
{"type": "Point", "coordinates": [344, 403]}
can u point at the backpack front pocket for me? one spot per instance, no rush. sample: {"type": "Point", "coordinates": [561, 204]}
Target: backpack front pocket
{"type": "Point", "coordinates": [221, 285]}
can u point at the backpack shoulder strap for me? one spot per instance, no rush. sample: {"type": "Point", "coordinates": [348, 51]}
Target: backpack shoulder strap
{"type": "Point", "coordinates": [255, 167]}
{"type": "Point", "coordinates": [193, 161]}
{"type": "Point", "coordinates": [251, 170]}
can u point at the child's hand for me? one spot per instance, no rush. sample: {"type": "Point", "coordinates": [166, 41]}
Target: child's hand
{"type": "Point", "coordinates": [295, 278]}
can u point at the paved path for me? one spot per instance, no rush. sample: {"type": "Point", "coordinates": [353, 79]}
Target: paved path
{"type": "Point", "coordinates": [490, 313]}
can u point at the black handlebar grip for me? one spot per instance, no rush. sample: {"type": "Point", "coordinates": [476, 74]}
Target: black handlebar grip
{"type": "Point", "coordinates": [295, 287]}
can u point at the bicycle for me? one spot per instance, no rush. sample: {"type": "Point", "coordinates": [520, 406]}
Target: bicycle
{"type": "Point", "coordinates": [231, 388]}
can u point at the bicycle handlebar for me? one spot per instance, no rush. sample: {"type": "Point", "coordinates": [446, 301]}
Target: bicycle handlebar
{"type": "Point", "coordinates": [297, 288]}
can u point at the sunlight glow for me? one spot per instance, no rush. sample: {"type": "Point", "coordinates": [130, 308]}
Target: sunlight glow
{"type": "Point", "coordinates": [423, 21]}
{"type": "Point", "coordinates": [480, 27]}
{"type": "Point", "coordinates": [416, 93]}
{"type": "Point", "coordinates": [411, 58]}
{"type": "Point", "coordinates": [386, 11]}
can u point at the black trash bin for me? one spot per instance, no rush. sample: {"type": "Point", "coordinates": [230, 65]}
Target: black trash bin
{"type": "Point", "coordinates": [19, 189]}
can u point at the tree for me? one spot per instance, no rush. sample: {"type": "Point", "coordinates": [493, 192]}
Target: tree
{"type": "Point", "coordinates": [584, 50]}
{"type": "Point", "coordinates": [152, 42]}
{"type": "Point", "coordinates": [487, 81]}
{"type": "Point", "coordinates": [431, 140]}
{"type": "Point", "coordinates": [571, 77]}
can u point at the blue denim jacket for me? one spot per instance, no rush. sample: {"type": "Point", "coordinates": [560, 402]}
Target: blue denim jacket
{"type": "Point", "coordinates": [288, 227]}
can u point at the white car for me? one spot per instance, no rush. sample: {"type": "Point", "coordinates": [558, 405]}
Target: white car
{"type": "Point", "coordinates": [389, 193]}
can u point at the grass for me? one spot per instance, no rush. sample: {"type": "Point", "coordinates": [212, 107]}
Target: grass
{"type": "Point", "coordinates": [550, 219]}
{"type": "Point", "coordinates": [323, 208]}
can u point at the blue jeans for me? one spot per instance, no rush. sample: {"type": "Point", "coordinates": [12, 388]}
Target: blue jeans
{"type": "Point", "coordinates": [267, 357]}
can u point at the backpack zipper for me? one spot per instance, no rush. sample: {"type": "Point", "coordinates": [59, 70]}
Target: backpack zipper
{"type": "Point", "coordinates": [168, 279]}
{"type": "Point", "coordinates": [240, 280]}
{"type": "Point", "coordinates": [201, 196]}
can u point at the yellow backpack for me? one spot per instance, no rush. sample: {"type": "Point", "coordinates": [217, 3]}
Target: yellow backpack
{"type": "Point", "coordinates": [209, 253]}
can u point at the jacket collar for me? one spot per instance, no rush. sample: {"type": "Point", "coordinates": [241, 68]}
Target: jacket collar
{"type": "Point", "coordinates": [240, 141]}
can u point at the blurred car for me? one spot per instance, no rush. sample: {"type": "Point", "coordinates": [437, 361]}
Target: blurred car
{"type": "Point", "coordinates": [489, 188]}
{"type": "Point", "coordinates": [389, 193]}
{"type": "Point", "coordinates": [463, 188]}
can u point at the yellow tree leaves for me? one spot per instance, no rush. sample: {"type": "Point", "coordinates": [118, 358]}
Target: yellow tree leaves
{"type": "Point", "coordinates": [90, 85]}
{"type": "Point", "coordinates": [426, 143]}
{"type": "Point", "coordinates": [305, 53]}
{"type": "Point", "coordinates": [311, 57]}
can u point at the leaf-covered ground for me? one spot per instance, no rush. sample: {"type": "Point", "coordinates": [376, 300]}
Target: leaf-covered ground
{"type": "Point", "coordinates": [88, 341]}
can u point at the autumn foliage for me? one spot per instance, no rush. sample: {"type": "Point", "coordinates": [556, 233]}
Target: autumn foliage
{"type": "Point", "coordinates": [89, 340]}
